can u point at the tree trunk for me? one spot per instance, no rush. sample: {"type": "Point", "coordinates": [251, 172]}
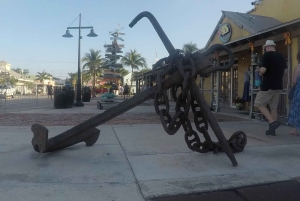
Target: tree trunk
{"type": "Point", "coordinates": [131, 81]}
{"type": "Point", "coordinates": [94, 81]}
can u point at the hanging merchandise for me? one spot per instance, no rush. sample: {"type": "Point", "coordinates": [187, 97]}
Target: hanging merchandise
{"type": "Point", "coordinates": [287, 37]}
{"type": "Point", "coordinates": [257, 78]}
{"type": "Point", "coordinates": [251, 46]}
{"type": "Point", "coordinates": [247, 80]}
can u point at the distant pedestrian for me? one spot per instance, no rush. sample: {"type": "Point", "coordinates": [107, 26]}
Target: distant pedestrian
{"type": "Point", "coordinates": [294, 114]}
{"type": "Point", "coordinates": [126, 90]}
{"type": "Point", "coordinates": [121, 90]}
{"type": "Point", "coordinates": [49, 90]}
{"type": "Point", "coordinates": [110, 90]}
{"type": "Point", "coordinates": [272, 69]}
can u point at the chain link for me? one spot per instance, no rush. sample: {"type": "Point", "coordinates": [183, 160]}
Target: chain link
{"type": "Point", "coordinates": [174, 90]}
{"type": "Point", "coordinates": [238, 141]}
{"type": "Point", "coordinates": [184, 101]}
{"type": "Point", "coordinates": [161, 98]}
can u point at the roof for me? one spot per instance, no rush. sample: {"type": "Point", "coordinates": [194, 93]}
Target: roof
{"type": "Point", "coordinates": [249, 22]}
{"type": "Point", "coordinates": [111, 76]}
{"type": "Point", "coordinates": [284, 27]}
{"type": "Point", "coordinates": [15, 74]}
{"type": "Point", "coordinates": [252, 23]}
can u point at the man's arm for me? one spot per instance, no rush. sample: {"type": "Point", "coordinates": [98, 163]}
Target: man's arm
{"type": "Point", "coordinates": [264, 65]}
{"type": "Point", "coordinates": [285, 72]}
{"type": "Point", "coordinates": [262, 71]}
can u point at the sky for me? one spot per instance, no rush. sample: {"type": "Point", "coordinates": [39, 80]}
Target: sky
{"type": "Point", "coordinates": [31, 30]}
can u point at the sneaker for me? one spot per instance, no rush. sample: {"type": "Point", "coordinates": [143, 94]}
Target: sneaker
{"type": "Point", "coordinates": [270, 134]}
{"type": "Point", "coordinates": [272, 127]}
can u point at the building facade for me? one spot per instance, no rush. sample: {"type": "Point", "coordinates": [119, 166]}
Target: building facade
{"type": "Point", "coordinates": [127, 80]}
{"type": "Point", "coordinates": [245, 34]}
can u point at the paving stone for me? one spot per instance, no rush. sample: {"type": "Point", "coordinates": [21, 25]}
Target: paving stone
{"type": "Point", "coordinates": [27, 119]}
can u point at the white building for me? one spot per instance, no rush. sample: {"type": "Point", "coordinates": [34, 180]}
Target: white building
{"type": "Point", "coordinates": [4, 66]}
{"type": "Point", "coordinates": [21, 86]}
{"type": "Point", "coordinates": [127, 80]}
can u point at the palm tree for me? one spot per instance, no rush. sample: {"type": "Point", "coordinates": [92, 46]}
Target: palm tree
{"type": "Point", "coordinates": [145, 70]}
{"type": "Point", "coordinates": [94, 63]}
{"type": "Point", "coordinates": [17, 70]}
{"type": "Point", "coordinates": [134, 60]}
{"type": "Point", "coordinates": [42, 76]}
{"type": "Point", "coordinates": [25, 71]}
{"type": "Point", "coordinates": [73, 76]}
{"type": "Point", "coordinates": [123, 72]}
{"type": "Point", "coordinates": [86, 76]}
{"type": "Point", "coordinates": [190, 47]}
{"type": "Point", "coordinates": [20, 71]}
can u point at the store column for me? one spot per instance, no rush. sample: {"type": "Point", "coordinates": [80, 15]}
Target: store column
{"type": "Point", "coordinates": [218, 109]}
{"type": "Point", "coordinates": [288, 42]}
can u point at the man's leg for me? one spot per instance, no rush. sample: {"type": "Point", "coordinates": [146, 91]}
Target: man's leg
{"type": "Point", "coordinates": [265, 111]}
{"type": "Point", "coordinates": [261, 101]}
{"type": "Point", "coordinates": [274, 114]}
{"type": "Point", "coordinates": [276, 94]}
{"type": "Point", "coordinates": [263, 98]}
{"type": "Point", "coordinates": [274, 104]}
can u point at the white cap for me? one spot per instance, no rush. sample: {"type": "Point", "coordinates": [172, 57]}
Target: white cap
{"type": "Point", "coordinates": [269, 43]}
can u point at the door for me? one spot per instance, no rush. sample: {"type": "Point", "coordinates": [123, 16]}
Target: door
{"type": "Point", "coordinates": [225, 92]}
{"type": "Point", "coordinates": [234, 84]}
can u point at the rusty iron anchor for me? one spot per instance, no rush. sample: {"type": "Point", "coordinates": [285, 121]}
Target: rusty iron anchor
{"type": "Point", "coordinates": [87, 132]}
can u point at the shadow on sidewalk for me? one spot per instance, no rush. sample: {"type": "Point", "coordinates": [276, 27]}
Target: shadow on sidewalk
{"type": "Point", "coordinates": [281, 191]}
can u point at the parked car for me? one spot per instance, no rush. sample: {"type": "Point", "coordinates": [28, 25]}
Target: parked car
{"type": "Point", "coordinates": [7, 90]}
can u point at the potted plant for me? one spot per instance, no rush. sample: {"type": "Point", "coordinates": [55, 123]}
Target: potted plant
{"type": "Point", "coordinates": [239, 103]}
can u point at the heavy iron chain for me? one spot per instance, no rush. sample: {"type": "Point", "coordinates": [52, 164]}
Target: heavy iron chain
{"type": "Point", "coordinates": [161, 68]}
{"type": "Point", "coordinates": [191, 137]}
{"type": "Point", "coordinates": [185, 101]}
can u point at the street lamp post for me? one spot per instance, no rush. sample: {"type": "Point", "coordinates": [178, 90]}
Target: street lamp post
{"type": "Point", "coordinates": [78, 102]}
{"type": "Point", "coordinates": [23, 82]}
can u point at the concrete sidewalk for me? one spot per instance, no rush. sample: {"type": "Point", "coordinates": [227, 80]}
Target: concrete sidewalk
{"type": "Point", "coordinates": [140, 162]}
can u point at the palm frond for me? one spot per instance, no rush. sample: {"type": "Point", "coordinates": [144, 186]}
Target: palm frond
{"type": "Point", "coordinates": [190, 47]}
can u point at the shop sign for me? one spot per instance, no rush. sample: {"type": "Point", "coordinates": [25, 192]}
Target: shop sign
{"type": "Point", "coordinates": [225, 32]}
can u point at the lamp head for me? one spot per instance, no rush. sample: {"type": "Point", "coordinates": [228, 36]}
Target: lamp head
{"type": "Point", "coordinates": [67, 34]}
{"type": "Point", "coordinates": [92, 34]}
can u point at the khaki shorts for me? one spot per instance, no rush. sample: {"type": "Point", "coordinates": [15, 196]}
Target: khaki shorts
{"type": "Point", "coordinates": [270, 97]}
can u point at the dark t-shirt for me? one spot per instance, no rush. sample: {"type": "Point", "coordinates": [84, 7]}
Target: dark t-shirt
{"type": "Point", "coordinates": [126, 89]}
{"type": "Point", "coordinates": [49, 89]}
{"type": "Point", "coordinates": [275, 64]}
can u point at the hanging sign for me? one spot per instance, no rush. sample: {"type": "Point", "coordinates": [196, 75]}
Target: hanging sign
{"type": "Point", "coordinates": [225, 32]}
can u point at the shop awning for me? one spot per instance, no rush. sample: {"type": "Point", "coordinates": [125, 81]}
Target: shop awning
{"type": "Point", "coordinates": [272, 31]}
{"type": "Point", "coordinates": [111, 76]}
{"type": "Point", "coordinates": [249, 22]}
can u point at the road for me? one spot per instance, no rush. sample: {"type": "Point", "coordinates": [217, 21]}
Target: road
{"type": "Point", "coordinates": [24, 102]}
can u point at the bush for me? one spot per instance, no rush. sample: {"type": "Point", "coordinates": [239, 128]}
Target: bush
{"type": "Point", "coordinates": [239, 103]}
{"type": "Point", "coordinates": [238, 100]}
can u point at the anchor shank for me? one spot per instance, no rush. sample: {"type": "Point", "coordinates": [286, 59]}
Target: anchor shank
{"type": "Point", "coordinates": [134, 101]}
{"type": "Point", "coordinates": [211, 120]}
{"type": "Point", "coordinates": [158, 29]}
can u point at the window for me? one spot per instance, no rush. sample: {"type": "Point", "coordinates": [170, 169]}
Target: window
{"type": "Point", "coordinates": [126, 80]}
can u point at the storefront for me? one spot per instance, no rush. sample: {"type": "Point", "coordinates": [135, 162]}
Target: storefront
{"type": "Point", "coordinates": [245, 34]}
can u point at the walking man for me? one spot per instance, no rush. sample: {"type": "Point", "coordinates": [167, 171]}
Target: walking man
{"type": "Point", "coordinates": [126, 90]}
{"type": "Point", "coordinates": [121, 90]}
{"type": "Point", "coordinates": [49, 90]}
{"type": "Point", "coordinates": [272, 69]}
